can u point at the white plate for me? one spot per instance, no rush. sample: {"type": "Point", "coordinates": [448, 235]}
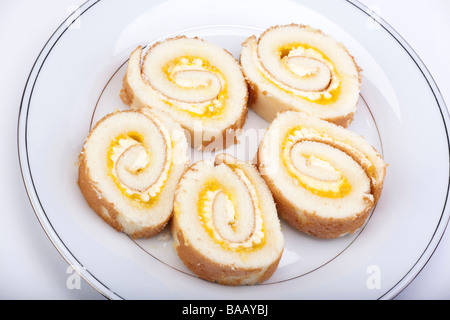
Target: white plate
{"type": "Point", "coordinates": [76, 80]}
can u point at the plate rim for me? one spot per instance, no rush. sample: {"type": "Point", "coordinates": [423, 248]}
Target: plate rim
{"type": "Point", "coordinates": [107, 292]}
{"type": "Point", "coordinates": [442, 225]}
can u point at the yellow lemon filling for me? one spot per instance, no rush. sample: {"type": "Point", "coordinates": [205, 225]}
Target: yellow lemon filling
{"type": "Point", "coordinates": [316, 174]}
{"type": "Point", "coordinates": [205, 204]}
{"type": "Point", "coordinates": [119, 145]}
{"type": "Point", "coordinates": [328, 96]}
{"type": "Point", "coordinates": [209, 109]}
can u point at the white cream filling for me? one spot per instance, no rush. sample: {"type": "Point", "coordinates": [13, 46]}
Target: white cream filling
{"type": "Point", "coordinates": [258, 234]}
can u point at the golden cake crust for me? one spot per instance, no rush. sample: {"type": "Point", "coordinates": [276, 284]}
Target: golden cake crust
{"type": "Point", "coordinates": [105, 209]}
{"type": "Point", "coordinates": [212, 271]}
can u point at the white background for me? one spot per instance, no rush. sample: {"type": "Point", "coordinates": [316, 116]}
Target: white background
{"type": "Point", "coordinates": [31, 267]}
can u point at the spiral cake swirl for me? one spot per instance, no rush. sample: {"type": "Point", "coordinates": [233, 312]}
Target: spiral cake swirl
{"type": "Point", "coordinates": [129, 167]}
{"type": "Point", "coordinates": [225, 224]}
{"type": "Point", "coordinates": [198, 83]}
{"type": "Point", "coordinates": [295, 67]}
{"type": "Point", "coordinates": [325, 179]}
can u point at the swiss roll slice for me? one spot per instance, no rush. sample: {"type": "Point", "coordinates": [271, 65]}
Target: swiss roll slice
{"type": "Point", "coordinates": [129, 167]}
{"type": "Point", "coordinates": [225, 223]}
{"type": "Point", "coordinates": [200, 84]}
{"type": "Point", "coordinates": [299, 68]}
{"type": "Point", "coordinates": [325, 179]}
